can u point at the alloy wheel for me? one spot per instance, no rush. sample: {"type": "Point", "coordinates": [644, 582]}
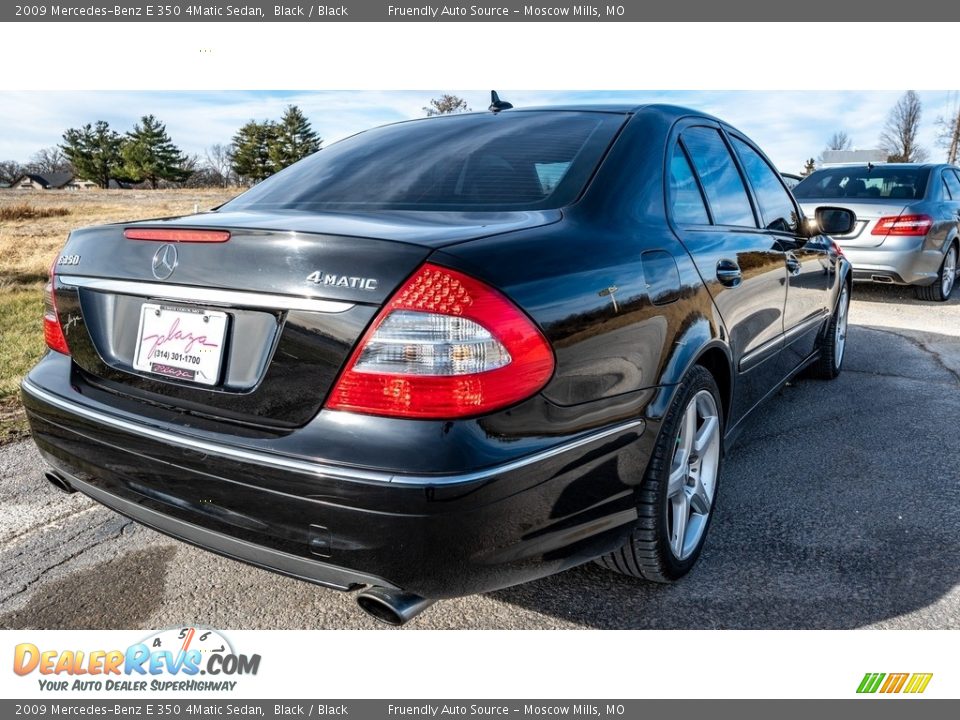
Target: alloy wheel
{"type": "Point", "coordinates": [693, 474]}
{"type": "Point", "coordinates": [843, 305]}
{"type": "Point", "coordinates": [949, 274]}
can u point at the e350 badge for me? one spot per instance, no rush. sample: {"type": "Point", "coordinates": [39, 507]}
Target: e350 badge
{"type": "Point", "coordinates": [145, 665]}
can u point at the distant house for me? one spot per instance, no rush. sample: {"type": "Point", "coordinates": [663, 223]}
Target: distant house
{"type": "Point", "coordinates": [51, 181]}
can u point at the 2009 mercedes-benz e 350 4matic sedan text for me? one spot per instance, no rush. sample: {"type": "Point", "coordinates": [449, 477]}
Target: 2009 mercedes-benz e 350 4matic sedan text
{"type": "Point", "coordinates": [444, 356]}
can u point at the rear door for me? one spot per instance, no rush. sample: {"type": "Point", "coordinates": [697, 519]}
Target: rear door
{"type": "Point", "coordinates": [742, 266]}
{"type": "Point", "coordinates": [808, 266]}
{"type": "Point", "coordinates": [951, 196]}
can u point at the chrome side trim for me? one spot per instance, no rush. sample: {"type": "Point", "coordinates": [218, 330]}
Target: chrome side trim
{"type": "Point", "coordinates": [801, 328]}
{"type": "Point", "coordinates": [260, 457]}
{"type": "Point", "coordinates": [205, 295]}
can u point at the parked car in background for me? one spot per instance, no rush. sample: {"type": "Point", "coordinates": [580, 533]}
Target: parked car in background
{"type": "Point", "coordinates": [791, 180]}
{"type": "Point", "coordinates": [908, 219]}
{"type": "Point", "coordinates": [444, 356]}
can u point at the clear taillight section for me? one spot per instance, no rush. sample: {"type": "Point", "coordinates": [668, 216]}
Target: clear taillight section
{"type": "Point", "coordinates": [52, 330]}
{"type": "Point", "coordinates": [903, 225]}
{"type": "Point", "coordinates": [445, 346]}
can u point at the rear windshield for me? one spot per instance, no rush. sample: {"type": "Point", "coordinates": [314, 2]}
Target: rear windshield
{"type": "Point", "coordinates": [510, 161]}
{"type": "Point", "coordinates": [896, 183]}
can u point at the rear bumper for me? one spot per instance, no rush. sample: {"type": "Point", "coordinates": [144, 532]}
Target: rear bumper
{"type": "Point", "coordinates": [901, 260]}
{"type": "Point", "coordinates": [341, 527]}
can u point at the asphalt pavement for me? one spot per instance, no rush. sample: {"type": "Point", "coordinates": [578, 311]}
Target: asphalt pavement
{"type": "Point", "coordinates": [839, 507]}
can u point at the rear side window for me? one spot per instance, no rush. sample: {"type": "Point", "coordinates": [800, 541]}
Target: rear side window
{"type": "Point", "coordinates": [686, 202]}
{"type": "Point", "coordinates": [776, 207]}
{"type": "Point", "coordinates": [719, 176]}
{"type": "Point", "coordinates": [507, 161]}
{"type": "Point", "coordinates": [953, 183]}
{"type": "Point", "coordinates": [865, 182]}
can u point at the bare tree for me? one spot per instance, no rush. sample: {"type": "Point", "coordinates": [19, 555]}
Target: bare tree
{"type": "Point", "coordinates": [49, 160]}
{"type": "Point", "coordinates": [446, 104]}
{"type": "Point", "coordinates": [948, 136]}
{"type": "Point", "coordinates": [899, 136]}
{"type": "Point", "coordinates": [839, 141]}
{"type": "Point", "coordinates": [10, 170]}
{"type": "Point", "coordinates": [219, 164]}
{"type": "Point", "coordinates": [808, 167]}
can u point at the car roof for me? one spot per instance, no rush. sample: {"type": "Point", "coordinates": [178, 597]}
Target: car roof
{"type": "Point", "coordinates": [895, 166]}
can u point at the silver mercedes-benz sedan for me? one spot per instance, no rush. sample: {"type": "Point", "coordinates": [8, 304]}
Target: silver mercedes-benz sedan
{"type": "Point", "coordinates": [908, 221]}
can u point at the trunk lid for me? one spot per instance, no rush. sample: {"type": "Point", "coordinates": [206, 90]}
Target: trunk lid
{"type": "Point", "coordinates": [279, 306]}
{"type": "Point", "coordinates": [868, 212]}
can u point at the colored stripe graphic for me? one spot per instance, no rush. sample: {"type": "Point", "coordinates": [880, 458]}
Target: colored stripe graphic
{"type": "Point", "coordinates": [894, 683]}
{"type": "Point", "coordinates": [918, 682]}
{"type": "Point", "coordinates": [871, 682]}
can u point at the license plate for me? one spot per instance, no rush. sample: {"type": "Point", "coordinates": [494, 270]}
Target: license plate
{"type": "Point", "coordinates": [181, 343]}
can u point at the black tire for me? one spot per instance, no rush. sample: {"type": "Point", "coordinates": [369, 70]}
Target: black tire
{"type": "Point", "coordinates": [647, 552]}
{"type": "Point", "coordinates": [832, 347]}
{"type": "Point", "coordinates": [935, 292]}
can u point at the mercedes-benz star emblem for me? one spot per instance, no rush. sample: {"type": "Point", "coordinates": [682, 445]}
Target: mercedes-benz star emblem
{"type": "Point", "coordinates": [165, 262]}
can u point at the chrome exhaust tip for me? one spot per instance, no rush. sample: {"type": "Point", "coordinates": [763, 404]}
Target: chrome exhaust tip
{"type": "Point", "coordinates": [393, 607]}
{"type": "Point", "coordinates": [58, 482]}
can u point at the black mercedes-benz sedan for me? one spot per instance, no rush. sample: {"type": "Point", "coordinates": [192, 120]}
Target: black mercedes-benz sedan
{"type": "Point", "coordinates": [447, 355]}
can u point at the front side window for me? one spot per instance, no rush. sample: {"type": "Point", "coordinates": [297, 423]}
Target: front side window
{"type": "Point", "coordinates": [719, 176]}
{"type": "Point", "coordinates": [686, 202]}
{"type": "Point", "coordinates": [776, 207]}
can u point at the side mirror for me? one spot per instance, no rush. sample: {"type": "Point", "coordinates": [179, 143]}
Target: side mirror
{"type": "Point", "coordinates": [835, 221]}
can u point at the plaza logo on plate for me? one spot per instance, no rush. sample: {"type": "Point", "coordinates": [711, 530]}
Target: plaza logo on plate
{"type": "Point", "coordinates": [168, 660]}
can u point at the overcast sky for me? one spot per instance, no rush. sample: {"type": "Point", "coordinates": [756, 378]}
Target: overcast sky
{"type": "Point", "coordinates": [789, 125]}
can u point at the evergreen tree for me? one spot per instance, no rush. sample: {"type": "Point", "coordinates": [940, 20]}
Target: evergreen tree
{"type": "Point", "coordinates": [94, 152]}
{"type": "Point", "coordinates": [809, 167]}
{"type": "Point", "coordinates": [293, 139]}
{"type": "Point", "coordinates": [149, 154]}
{"type": "Point", "coordinates": [250, 151]}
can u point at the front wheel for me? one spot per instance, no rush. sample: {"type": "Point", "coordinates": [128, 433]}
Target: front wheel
{"type": "Point", "coordinates": [940, 289]}
{"type": "Point", "coordinates": [834, 341]}
{"type": "Point", "coordinates": [679, 488]}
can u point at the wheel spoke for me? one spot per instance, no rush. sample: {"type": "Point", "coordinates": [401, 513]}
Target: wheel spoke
{"type": "Point", "coordinates": [681, 511]}
{"type": "Point", "coordinates": [678, 479]}
{"type": "Point", "coordinates": [706, 434]}
{"type": "Point", "coordinates": [700, 499]}
{"type": "Point", "coordinates": [689, 429]}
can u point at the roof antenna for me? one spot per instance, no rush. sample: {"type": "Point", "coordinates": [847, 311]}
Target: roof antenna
{"type": "Point", "coordinates": [496, 104]}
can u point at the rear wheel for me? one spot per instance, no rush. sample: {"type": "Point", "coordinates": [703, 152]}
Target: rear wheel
{"type": "Point", "coordinates": [942, 287]}
{"type": "Point", "coordinates": [679, 488]}
{"type": "Point", "coordinates": [834, 341]}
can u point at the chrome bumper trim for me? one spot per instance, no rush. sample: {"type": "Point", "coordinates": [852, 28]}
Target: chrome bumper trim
{"type": "Point", "coordinates": [260, 457]}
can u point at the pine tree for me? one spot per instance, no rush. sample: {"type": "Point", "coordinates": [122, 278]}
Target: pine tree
{"type": "Point", "coordinates": [809, 167]}
{"type": "Point", "coordinates": [250, 151]}
{"type": "Point", "coordinates": [293, 139]}
{"type": "Point", "coordinates": [446, 104]}
{"type": "Point", "coordinates": [149, 154]}
{"type": "Point", "coordinates": [94, 152]}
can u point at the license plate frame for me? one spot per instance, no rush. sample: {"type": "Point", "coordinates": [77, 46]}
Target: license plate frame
{"type": "Point", "coordinates": [184, 344]}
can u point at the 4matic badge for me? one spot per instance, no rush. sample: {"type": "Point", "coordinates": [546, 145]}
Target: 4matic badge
{"type": "Point", "coordinates": [318, 277]}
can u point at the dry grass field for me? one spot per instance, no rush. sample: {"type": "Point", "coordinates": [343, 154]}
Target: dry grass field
{"type": "Point", "coordinates": [33, 228]}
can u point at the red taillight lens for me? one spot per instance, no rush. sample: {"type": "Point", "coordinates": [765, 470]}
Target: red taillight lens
{"type": "Point", "coordinates": [52, 331]}
{"type": "Point", "coordinates": [170, 235]}
{"type": "Point", "coordinates": [444, 346]}
{"type": "Point", "coordinates": [903, 225]}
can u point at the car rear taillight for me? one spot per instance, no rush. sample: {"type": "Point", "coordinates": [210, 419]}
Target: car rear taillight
{"type": "Point", "coordinates": [444, 346]}
{"type": "Point", "coordinates": [903, 225]}
{"type": "Point", "coordinates": [170, 235]}
{"type": "Point", "coordinates": [52, 331]}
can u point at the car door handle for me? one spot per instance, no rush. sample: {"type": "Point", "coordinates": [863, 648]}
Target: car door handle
{"type": "Point", "coordinates": [793, 265]}
{"type": "Point", "coordinates": [728, 273]}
